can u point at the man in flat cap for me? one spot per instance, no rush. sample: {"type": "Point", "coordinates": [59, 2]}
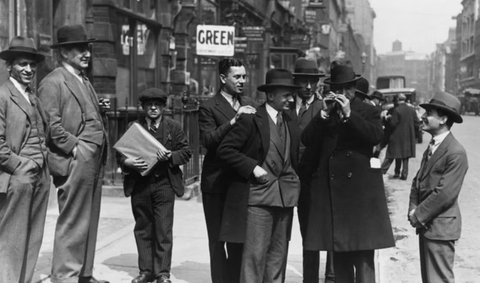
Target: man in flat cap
{"type": "Point", "coordinates": [24, 176]}
{"type": "Point", "coordinates": [77, 153]}
{"type": "Point", "coordinates": [433, 208]}
{"type": "Point", "coordinates": [261, 155]}
{"type": "Point", "coordinates": [153, 195]}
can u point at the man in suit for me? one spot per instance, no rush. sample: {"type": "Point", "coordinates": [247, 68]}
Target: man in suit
{"type": "Point", "coordinates": [24, 176]}
{"type": "Point", "coordinates": [216, 118]}
{"type": "Point", "coordinates": [261, 152]}
{"type": "Point", "coordinates": [302, 110]}
{"type": "Point", "coordinates": [153, 195]}
{"type": "Point", "coordinates": [77, 153]}
{"type": "Point", "coordinates": [402, 141]}
{"type": "Point", "coordinates": [349, 214]}
{"type": "Point", "coordinates": [433, 208]}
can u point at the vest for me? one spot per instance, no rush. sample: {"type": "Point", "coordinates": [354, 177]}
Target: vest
{"type": "Point", "coordinates": [35, 147]}
{"type": "Point", "coordinates": [283, 187]}
{"type": "Point", "coordinates": [94, 130]}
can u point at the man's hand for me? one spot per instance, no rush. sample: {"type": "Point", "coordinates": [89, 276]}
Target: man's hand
{"type": "Point", "coordinates": [413, 219]}
{"type": "Point", "coordinates": [104, 104]}
{"type": "Point", "coordinates": [247, 109]}
{"type": "Point", "coordinates": [164, 155]}
{"type": "Point", "coordinates": [329, 102]}
{"type": "Point", "coordinates": [260, 174]}
{"type": "Point", "coordinates": [344, 103]}
{"type": "Point", "coordinates": [137, 163]}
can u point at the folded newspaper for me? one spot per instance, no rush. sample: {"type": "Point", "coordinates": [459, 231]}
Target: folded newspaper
{"type": "Point", "coordinates": [138, 142]}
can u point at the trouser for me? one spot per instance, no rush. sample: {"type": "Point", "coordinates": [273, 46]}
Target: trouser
{"type": "Point", "coordinates": [79, 196]}
{"type": "Point", "coordinates": [436, 260]}
{"type": "Point", "coordinates": [224, 265]}
{"type": "Point", "coordinates": [400, 163]}
{"type": "Point", "coordinates": [356, 266]}
{"type": "Point", "coordinates": [23, 209]}
{"type": "Point", "coordinates": [266, 244]}
{"type": "Point", "coordinates": [153, 200]}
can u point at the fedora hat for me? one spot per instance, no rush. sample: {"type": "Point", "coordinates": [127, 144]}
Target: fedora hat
{"type": "Point", "coordinates": [341, 72]}
{"type": "Point", "coordinates": [68, 35]}
{"type": "Point", "coordinates": [20, 45]}
{"type": "Point", "coordinates": [378, 95]}
{"type": "Point", "coordinates": [446, 102]}
{"type": "Point", "coordinates": [278, 78]}
{"type": "Point", "coordinates": [361, 88]}
{"type": "Point", "coordinates": [306, 67]}
{"type": "Point", "coordinates": [153, 93]}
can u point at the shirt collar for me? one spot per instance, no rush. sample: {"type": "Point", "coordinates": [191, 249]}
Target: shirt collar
{"type": "Point", "coordinates": [73, 71]}
{"type": "Point", "coordinates": [308, 101]}
{"type": "Point", "coordinates": [272, 113]}
{"type": "Point", "coordinates": [227, 96]}
{"type": "Point", "coordinates": [21, 88]}
{"type": "Point", "coordinates": [439, 138]}
{"type": "Point", "coordinates": [157, 122]}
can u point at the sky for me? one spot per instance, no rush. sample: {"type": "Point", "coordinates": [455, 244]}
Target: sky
{"type": "Point", "coordinates": [418, 24]}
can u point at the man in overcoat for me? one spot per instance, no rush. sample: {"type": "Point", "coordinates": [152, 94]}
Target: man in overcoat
{"type": "Point", "coordinates": [261, 152]}
{"type": "Point", "coordinates": [77, 153]}
{"type": "Point", "coordinates": [24, 176]}
{"type": "Point", "coordinates": [304, 107]}
{"type": "Point", "coordinates": [216, 117]}
{"type": "Point", "coordinates": [153, 195]}
{"type": "Point", "coordinates": [349, 214]}
{"type": "Point", "coordinates": [433, 208]}
{"type": "Point", "coordinates": [401, 145]}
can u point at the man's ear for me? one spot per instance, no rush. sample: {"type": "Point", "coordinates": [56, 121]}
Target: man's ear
{"type": "Point", "coordinates": [223, 78]}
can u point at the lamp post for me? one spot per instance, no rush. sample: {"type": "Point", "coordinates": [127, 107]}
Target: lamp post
{"type": "Point", "coordinates": [364, 60]}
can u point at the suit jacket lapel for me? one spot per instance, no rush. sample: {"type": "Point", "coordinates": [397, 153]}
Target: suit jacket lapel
{"type": "Point", "coordinates": [74, 88]}
{"type": "Point", "coordinates": [223, 106]}
{"type": "Point", "coordinates": [441, 150]}
{"type": "Point", "coordinates": [18, 98]}
{"type": "Point", "coordinates": [261, 119]}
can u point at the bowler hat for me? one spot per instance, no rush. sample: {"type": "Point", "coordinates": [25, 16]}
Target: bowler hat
{"type": "Point", "coordinates": [306, 67]}
{"type": "Point", "coordinates": [445, 102]}
{"type": "Point", "coordinates": [341, 72]}
{"type": "Point", "coordinates": [20, 45]}
{"type": "Point", "coordinates": [153, 93]}
{"type": "Point", "coordinates": [68, 35]}
{"type": "Point", "coordinates": [378, 95]}
{"type": "Point", "coordinates": [278, 78]}
{"type": "Point", "coordinates": [361, 88]}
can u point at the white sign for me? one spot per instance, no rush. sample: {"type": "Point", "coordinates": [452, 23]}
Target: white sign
{"type": "Point", "coordinates": [215, 40]}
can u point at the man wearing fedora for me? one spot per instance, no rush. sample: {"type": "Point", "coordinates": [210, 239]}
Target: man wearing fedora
{"type": "Point", "coordinates": [153, 195]}
{"type": "Point", "coordinates": [24, 176]}
{"type": "Point", "coordinates": [349, 214]}
{"type": "Point", "coordinates": [302, 110]}
{"type": "Point", "coordinates": [216, 117]}
{"type": "Point", "coordinates": [433, 208]}
{"type": "Point", "coordinates": [77, 153]}
{"type": "Point", "coordinates": [261, 152]}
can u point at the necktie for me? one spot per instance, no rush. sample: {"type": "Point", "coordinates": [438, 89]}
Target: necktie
{"type": "Point", "coordinates": [430, 148]}
{"type": "Point", "coordinates": [235, 103]}
{"type": "Point", "coordinates": [31, 96]}
{"type": "Point", "coordinates": [303, 108]}
{"type": "Point", "coordinates": [280, 124]}
{"type": "Point", "coordinates": [426, 156]}
{"type": "Point", "coordinates": [87, 84]}
{"type": "Point", "coordinates": [153, 129]}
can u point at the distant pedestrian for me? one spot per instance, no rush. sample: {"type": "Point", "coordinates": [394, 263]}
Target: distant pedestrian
{"type": "Point", "coordinates": [77, 153]}
{"type": "Point", "coordinates": [24, 175]}
{"type": "Point", "coordinates": [261, 152]}
{"type": "Point", "coordinates": [433, 208]}
{"type": "Point", "coordinates": [153, 195]}
{"type": "Point", "coordinates": [216, 117]}
{"type": "Point", "coordinates": [304, 107]}
{"type": "Point", "coordinates": [349, 213]}
{"type": "Point", "coordinates": [362, 87]}
{"type": "Point", "coordinates": [402, 141]}
{"type": "Point", "coordinates": [376, 98]}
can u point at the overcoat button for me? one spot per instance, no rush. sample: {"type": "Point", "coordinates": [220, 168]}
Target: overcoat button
{"type": "Point", "coordinates": [349, 175]}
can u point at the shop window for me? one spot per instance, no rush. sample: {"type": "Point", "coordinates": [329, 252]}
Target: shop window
{"type": "Point", "coordinates": [136, 59]}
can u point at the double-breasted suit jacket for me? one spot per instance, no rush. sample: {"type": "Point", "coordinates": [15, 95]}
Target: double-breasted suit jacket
{"type": "Point", "coordinates": [348, 209]}
{"type": "Point", "coordinates": [435, 190]}
{"type": "Point", "coordinates": [175, 140]}
{"type": "Point", "coordinates": [245, 147]}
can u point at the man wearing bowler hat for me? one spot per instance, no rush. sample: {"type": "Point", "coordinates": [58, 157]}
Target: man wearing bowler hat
{"type": "Point", "coordinates": [348, 208]}
{"type": "Point", "coordinates": [77, 153]}
{"type": "Point", "coordinates": [24, 177]}
{"type": "Point", "coordinates": [261, 152]}
{"type": "Point", "coordinates": [433, 208]}
{"type": "Point", "coordinates": [361, 89]}
{"type": "Point", "coordinates": [153, 195]}
{"type": "Point", "coordinates": [302, 110]}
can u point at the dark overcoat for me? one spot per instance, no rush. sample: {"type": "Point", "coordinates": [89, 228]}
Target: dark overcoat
{"type": "Point", "coordinates": [175, 140]}
{"type": "Point", "coordinates": [402, 140]}
{"type": "Point", "coordinates": [348, 208]}
{"type": "Point", "coordinates": [244, 147]}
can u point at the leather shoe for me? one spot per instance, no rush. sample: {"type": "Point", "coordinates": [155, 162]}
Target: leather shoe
{"type": "Point", "coordinates": [403, 178]}
{"type": "Point", "coordinates": [91, 280]}
{"type": "Point", "coordinates": [163, 279]}
{"type": "Point", "coordinates": [396, 176]}
{"type": "Point", "coordinates": [143, 278]}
